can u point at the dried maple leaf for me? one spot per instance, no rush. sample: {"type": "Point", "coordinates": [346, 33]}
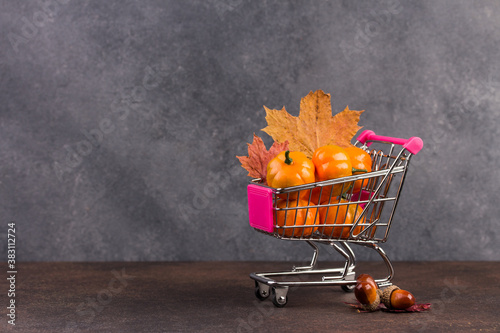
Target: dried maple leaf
{"type": "Point", "coordinates": [413, 308]}
{"type": "Point", "coordinates": [315, 126]}
{"type": "Point", "coordinates": [258, 157]}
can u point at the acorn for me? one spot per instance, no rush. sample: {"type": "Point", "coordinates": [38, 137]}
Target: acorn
{"type": "Point", "coordinates": [367, 278]}
{"type": "Point", "coordinates": [394, 297]}
{"type": "Point", "coordinates": [367, 295]}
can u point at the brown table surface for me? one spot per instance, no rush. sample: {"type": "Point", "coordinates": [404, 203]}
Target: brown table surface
{"type": "Point", "coordinates": [219, 297]}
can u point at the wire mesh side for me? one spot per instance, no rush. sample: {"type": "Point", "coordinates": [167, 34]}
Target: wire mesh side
{"type": "Point", "coordinates": [365, 216]}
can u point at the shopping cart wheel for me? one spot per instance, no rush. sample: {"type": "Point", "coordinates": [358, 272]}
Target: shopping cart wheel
{"type": "Point", "coordinates": [261, 290]}
{"type": "Point", "coordinates": [279, 296]}
{"type": "Point", "coordinates": [347, 287]}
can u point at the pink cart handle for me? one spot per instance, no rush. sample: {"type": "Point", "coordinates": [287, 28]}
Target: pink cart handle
{"type": "Point", "coordinates": [413, 144]}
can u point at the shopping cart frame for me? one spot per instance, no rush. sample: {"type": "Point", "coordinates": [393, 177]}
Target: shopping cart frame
{"type": "Point", "coordinates": [389, 168]}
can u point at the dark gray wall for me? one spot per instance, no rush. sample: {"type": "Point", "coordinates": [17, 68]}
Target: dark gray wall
{"type": "Point", "coordinates": [120, 120]}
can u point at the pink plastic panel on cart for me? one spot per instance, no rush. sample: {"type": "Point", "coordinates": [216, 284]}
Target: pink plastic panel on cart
{"type": "Point", "coordinates": [260, 207]}
{"type": "Point", "coordinates": [413, 144]}
{"type": "Point", "coordinates": [361, 196]}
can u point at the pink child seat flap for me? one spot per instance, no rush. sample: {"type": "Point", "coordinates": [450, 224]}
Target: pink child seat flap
{"type": "Point", "coordinates": [260, 207]}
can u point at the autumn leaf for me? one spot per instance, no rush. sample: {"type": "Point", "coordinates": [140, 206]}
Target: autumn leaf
{"type": "Point", "coordinates": [258, 157]}
{"type": "Point", "coordinates": [414, 308]}
{"type": "Point", "coordinates": [315, 126]}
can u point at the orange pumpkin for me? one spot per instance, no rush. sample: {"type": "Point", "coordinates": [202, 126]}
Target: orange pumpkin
{"type": "Point", "coordinates": [362, 162]}
{"type": "Point", "coordinates": [296, 217]}
{"type": "Point", "coordinates": [290, 168]}
{"type": "Point", "coordinates": [342, 214]}
{"type": "Point", "coordinates": [331, 162]}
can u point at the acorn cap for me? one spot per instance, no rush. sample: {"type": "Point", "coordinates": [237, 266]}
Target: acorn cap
{"type": "Point", "coordinates": [386, 295]}
{"type": "Point", "coordinates": [374, 305]}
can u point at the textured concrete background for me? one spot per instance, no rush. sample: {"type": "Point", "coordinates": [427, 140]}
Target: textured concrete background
{"type": "Point", "coordinates": [120, 120]}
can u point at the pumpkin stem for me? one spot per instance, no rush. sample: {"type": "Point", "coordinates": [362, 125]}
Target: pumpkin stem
{"type": "Point", "coordinates": [288, 160]}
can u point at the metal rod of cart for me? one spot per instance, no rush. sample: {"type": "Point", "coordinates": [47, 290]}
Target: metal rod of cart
{"type": "Point", "coordinates": [361, 215]}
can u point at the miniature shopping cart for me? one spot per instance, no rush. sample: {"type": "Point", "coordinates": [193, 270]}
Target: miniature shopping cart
{"type": "Point", "coordinates": [361, 214]}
